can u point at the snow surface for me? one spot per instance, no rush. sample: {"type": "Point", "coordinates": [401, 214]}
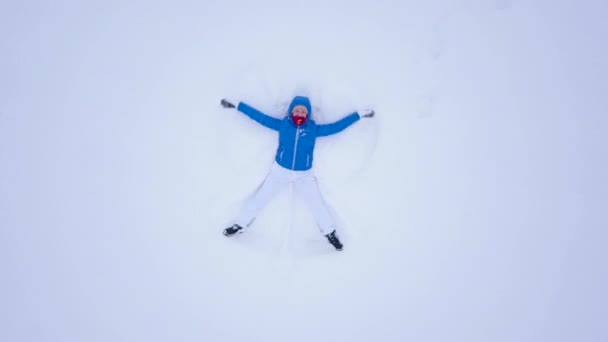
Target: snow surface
{"type": "Point", "coordinates": [473, 207]}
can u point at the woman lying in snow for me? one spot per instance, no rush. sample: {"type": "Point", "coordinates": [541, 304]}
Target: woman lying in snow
{"type": "Point", "coordinates": [293, 162]}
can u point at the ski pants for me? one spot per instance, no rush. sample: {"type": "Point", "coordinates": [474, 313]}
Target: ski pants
{"type": "Point", "coordinates": [304, 185]}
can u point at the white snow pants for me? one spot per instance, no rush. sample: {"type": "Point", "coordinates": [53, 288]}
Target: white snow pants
{"type": "Point", "coordinates": [304, 185]}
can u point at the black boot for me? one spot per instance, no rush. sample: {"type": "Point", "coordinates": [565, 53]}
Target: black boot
{"type": "Point", "coordinates": [233, 230]}
{"type": "Point", "coordinates": [333, 239]}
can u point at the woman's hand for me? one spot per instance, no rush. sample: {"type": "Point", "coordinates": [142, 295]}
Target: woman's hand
{"type": "Point", "coordinates": [366, 113]}
{"type": "Point", "coordinates": [227, 104]}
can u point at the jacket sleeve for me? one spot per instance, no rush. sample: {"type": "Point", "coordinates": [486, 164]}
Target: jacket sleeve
{"type": "Point", "coordinates": [338, 126]}
{"type": "Point", "coordinates": [263, 119]}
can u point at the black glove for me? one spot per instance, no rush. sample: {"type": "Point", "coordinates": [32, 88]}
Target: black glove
{"type": "Point", "coordinates": [367, 113]}
{"type": "Point", "coordinates": [227, 104]}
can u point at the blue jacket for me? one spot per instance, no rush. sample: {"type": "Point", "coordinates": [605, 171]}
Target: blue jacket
{"type": "Point", "coordinates": [296, 144]}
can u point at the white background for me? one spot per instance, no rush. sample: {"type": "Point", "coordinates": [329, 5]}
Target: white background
{"type": "Point", "coordinates": [472, 208]}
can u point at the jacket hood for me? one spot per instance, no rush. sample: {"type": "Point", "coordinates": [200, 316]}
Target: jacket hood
{"type": "Point", "coordinates": [300, 100]}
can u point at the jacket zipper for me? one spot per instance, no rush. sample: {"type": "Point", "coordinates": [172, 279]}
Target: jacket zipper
{"type": "Point", "coordinates": [295, 148]}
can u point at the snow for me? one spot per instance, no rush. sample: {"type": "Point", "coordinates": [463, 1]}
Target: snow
{"type": "Point", "coordinates": [472, 207]}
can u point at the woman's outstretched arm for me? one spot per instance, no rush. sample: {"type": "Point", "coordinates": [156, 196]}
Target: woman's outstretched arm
{"type": "Point", "coordinates": [263, 119]}
{"type": "Point", "coordinates": [338, 126]}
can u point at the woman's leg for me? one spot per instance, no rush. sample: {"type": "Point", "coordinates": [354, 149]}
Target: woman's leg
{"type": "Point", "coordinates": [308, 189]}
{"type": "Point", "coordinates": [270, 187]}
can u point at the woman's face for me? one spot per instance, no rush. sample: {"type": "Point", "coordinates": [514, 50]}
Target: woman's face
{"type": "Point", "coordinates": [300, 111]}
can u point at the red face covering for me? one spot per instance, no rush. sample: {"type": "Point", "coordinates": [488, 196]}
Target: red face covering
{"type": "Point", "coordinates": [298, 120]}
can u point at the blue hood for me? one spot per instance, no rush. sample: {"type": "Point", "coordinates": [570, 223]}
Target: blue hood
{"type": "Point", "coordinates": [300, 100]}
